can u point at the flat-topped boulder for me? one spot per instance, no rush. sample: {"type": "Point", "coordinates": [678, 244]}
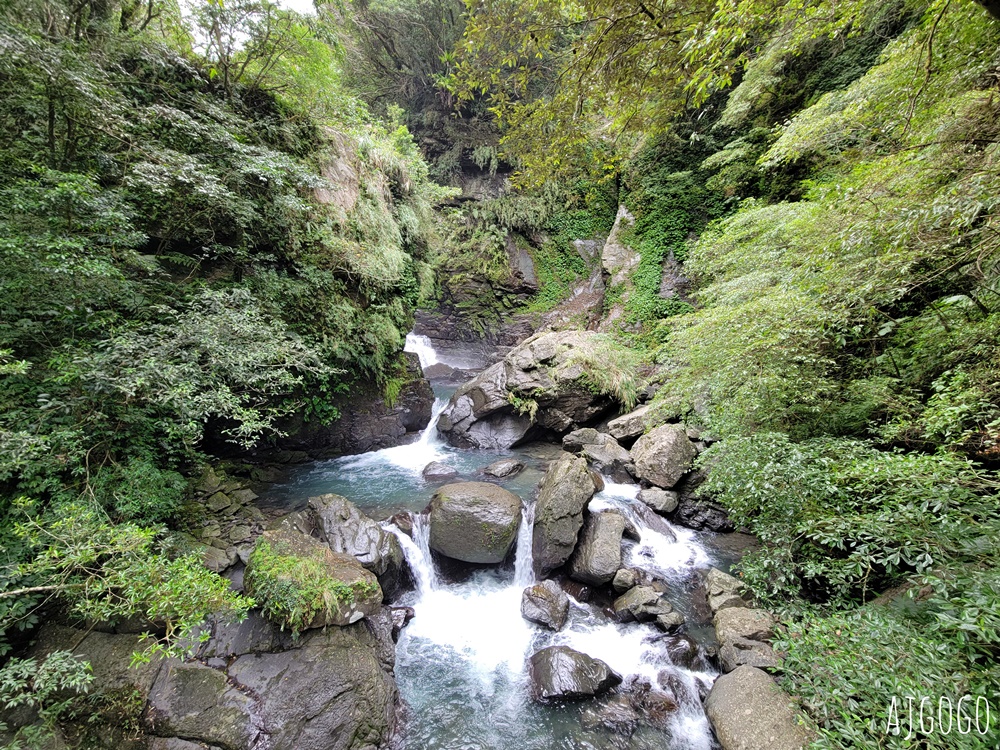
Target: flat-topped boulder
{"type": "Point", "coordinates": [565, 491]}
{"type": "Point", "coordinates": [540, 386]}
{"type": "Point", "coordinates": [475, 522]}
{"type": "Point", "coordinates": [629, 426]}
{"type": "Point", "coordinates": [558, 673]}
{"type": "Point", "coordinates": [663, 455]}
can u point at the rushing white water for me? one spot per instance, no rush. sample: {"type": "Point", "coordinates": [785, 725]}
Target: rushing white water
{"type": "Point", "coordinates": [524, 564]}
{"type": "Point", "coordinates": [410, 458]}
{"type": "Point", "coordinates": [666, 551]}
{"type": "Point", "coordinates": [417, 553]}
{"type": "Point", "coordinates": [421, 346]}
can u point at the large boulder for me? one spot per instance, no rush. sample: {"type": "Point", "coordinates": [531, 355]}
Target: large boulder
{"type": "Point", "coordinates": [539, 386]}
{"type": "Point", "coordinates": [662, 456]}
{"type": "Point", "coordinates": [546, 604]}
{"type": "Point", "coordinates": [602, 452]}
{"type": "Point", "coordinates": [474, 522]}
{"type": "Point", "coordinates": [749, 712]}
{"type": "Point", "coordinates": [564, 493]}
{"type": "Point", "coordinates": [743, 634]}
{"type": "Point", "coordinates": [598, 555]}
{"type": "Point", "coordinates": [646, 604]}
{"type": "Point", "coordinates": [347, 530]}
{"type": "Point", "coordinates": [662, 501]}
{"type": "Point", "coordinates": [722, 590]}
{"type": "Point", "coordinates": [301, 583]}
{"type": "Point", "coordinates": [559, 673]}
{"type": "Point", "coordinates": [628, 427]}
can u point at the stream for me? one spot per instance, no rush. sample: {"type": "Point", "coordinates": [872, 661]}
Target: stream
{"type": "Point", "coordinates": [461, 661]}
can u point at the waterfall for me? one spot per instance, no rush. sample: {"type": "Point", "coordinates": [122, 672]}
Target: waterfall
{"type": "Point", "coordinates": [418, 553]}
{"type": "Point", "coordinates": [430, 435]}
{"type": "Point", "coordinates": [524, 564]}
{"type": "Point", "coordinates": [421, 346]}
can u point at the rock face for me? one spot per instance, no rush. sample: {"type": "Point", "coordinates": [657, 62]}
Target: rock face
{"type": "Point", "coordinates": [663, 455]}
{"type": "Point", "coordinates": [347, 530]}
{"type": "Point", "coordinates": [559, 673]}
{"type": "Point", "coordinates": [722, 590]}
{"type": "Point", "coordinates": [698, 512]}
{"type": "Point", "coordinates": [475, 522]}
{"type": "Point", "coordinates": [565, 492]}
{"type": "Point", "coordinates": [289, 565]}
{"type": "Point", "coordinates": [543, 371]}
{"type": "Point", "coordinates": [598, 555]}
{"type": "Point", "coordinates": [749, 712]}
{"type": "Point", "coordinates": [546, 604]}
{"type": "Point", "coordinates": [602, 452]}
{"type": "Point", "coordinates": [628, 427]}
{"type": "Point", "coordinates": [331, 689]}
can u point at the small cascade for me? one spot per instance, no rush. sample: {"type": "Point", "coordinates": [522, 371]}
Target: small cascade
{"type": "Point", "coordinates": [411, 458]}
{"type": "Point", "coordinates": [524, 563]}
{"type": "Point", "coordinates": [421, 346]}
{"type": "Point", "coordinates": [417, 553]}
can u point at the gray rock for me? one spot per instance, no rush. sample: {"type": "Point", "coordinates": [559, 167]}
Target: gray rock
{"type": "Point", "coordinates": [598, 555]}
{"type": "Point", "coordinates": [216, 559]}
{"type": "Point", "coordinates": [505, 467]}
{"type": "Point", "coordinates": [348, 531]}
{"type": "Point", "coordinates": [646, 604]}
{"type": "Point", "coordinates": [663, 455]}
{"type": "Point", "coordinates": [617, 258]}
{"type": "Point", "coordinates": [749, 712]}
{"type": "Point", "coordinates": [543, 370]}
{"type": "Point", "coordinates": [339, 569]}
{"type": "Point", "coordinates": [602, 452]}
{"type": "Point", "coordinates": [474, 522]}
{"type": "Point", "coordinates": [565, 491]}
{"type": "Point", "coordinates": [625, 579]}
{"type": "Point", "coordinates": [559, 673]}
{"type": "Point", "coordinates": [195, 701]}
{"type": "Point", "coordinates": [742, 622]}
{"type": "Point", "coordinates": [614, 714]}
{"type": "Point", "coordinates": [696, 511]}
{"type": "Point", "coordinates": [629, 426]}
{"type": "Point", "coordinates": [722, 590]}
{"type": "Point", "coordinates": [574, 441]}
{"type": "Point", "coordinates": [546, 604]}
{"type": "Point", "coordinates": [738, 652]}
{"type": "Point", "coordinates": [662, 501]}
{"type": "Point", "coordinates": [439, 470]}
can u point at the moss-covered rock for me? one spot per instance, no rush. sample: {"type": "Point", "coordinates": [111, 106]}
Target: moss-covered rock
{"type": "Point", "coordinates": [475, 522]}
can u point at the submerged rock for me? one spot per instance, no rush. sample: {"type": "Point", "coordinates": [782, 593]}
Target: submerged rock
{"type": "Point", "coordinates": [474, 522]}
{"type": "Point", "coordinates": [565, 492]}
{"type": "Point", "coordinates": [439, 470]}
{"type": "Point", "coordinates": [544, 375]}
{"type": "Point", "coordinates": [559, 673]}
{"type": "Point", "coordinates": [662, 456]}
{"type": "Point", "coordinates": [598, 555]}
{"type": "Point", "coordinates": [748, 710]}
{"type": "Point", "coordinates": [505, 467]}
{"type": "Point", "coordinates": [546, 604]}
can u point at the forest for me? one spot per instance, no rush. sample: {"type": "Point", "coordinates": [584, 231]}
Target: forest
{"type": "Point", "coordinates": [219, 218]}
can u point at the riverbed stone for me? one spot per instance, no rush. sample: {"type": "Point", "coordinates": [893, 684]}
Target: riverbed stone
{"type": "Point", "coordinates": [290, 561]}
{"type": "Point", "coordinates": [474, 522]}
{"type": "Point", "coordinates": [646, 604]}
{"type": "Point", "coordinates": [662, 501]}
{"type": "Point", "coordinates": [559, 673]}
{"type": "Point", "coordinates": [602, 452]}
{"type": "Point", "coordinates": [565, 491]}
{"type": "Point", "coordinates": [439, 470]}
{"type": "Point", "coordinates": [598, 555]}
{"type": "Point", "coordinates": [505, 467]}
{"type": "Point", "coordinates": [742, 622]}
{"type": "Point", "coordinates": [629, 426]}
{"type": "Point", "coordinates": [663, 455]}
{"type": "Point", "coordinates": [722, 590]}
{"type": "Point", "coordinates": [347, 530]}
{"type": "Point", "coordinates": [749, 711]}
{"type": "Point", "coordinates": [546, 604]}
{"type": "Point", "coordinates": [544, 374]}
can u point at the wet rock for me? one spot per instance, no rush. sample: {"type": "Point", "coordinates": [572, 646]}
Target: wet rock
{"type": "Point", "coordinates": [646, 604]}
{"type": "Point", "coordinates": [559, 673]}
{"type": "Point", "coordinates": [662, 501]}
{"type": "Point", "coordinates": [403, 521]}
{"type": "Point", "coordinates": [546, 604]}
{"type": "Point", "coordinates": [627, 578]}
{"type": "Point", "coordinates": [683, 651]}
{"type": "Point", "coordinates": [505, 467]}
{"type": "Point", "coordinates": [629, 426]}
{"type": "Point", "coordinates": [602, 452]}
{"type": "Point", "coordinates": [598, 555]}
{"type": "Point", "coordinates": [474, 522]}
{"type": "Point", "coordinates": [544, 371]}
{"type": "Point", "coordinates": [613, 714]}
{"type": "Point", "coordinates": [579, 591]}
{"type": "Point", "coordinates": [565, 491]}
{"type": "Point", "coordinates": [288, 561]}
{"type": "Point", "coordinates": [696, 511]}
{"type": "Point", "coordinates": [748, 710]}
{"type": "Point", "coordinates": [722, 590]}
{"type": "Point", "coordinates": [401, 617]}
{"type": "Point", "coordinates": [439, 470]}
{"type": "Point", "coordinates": [663, 455]}
{"type": "Point", "coordinates": [347, 530]}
